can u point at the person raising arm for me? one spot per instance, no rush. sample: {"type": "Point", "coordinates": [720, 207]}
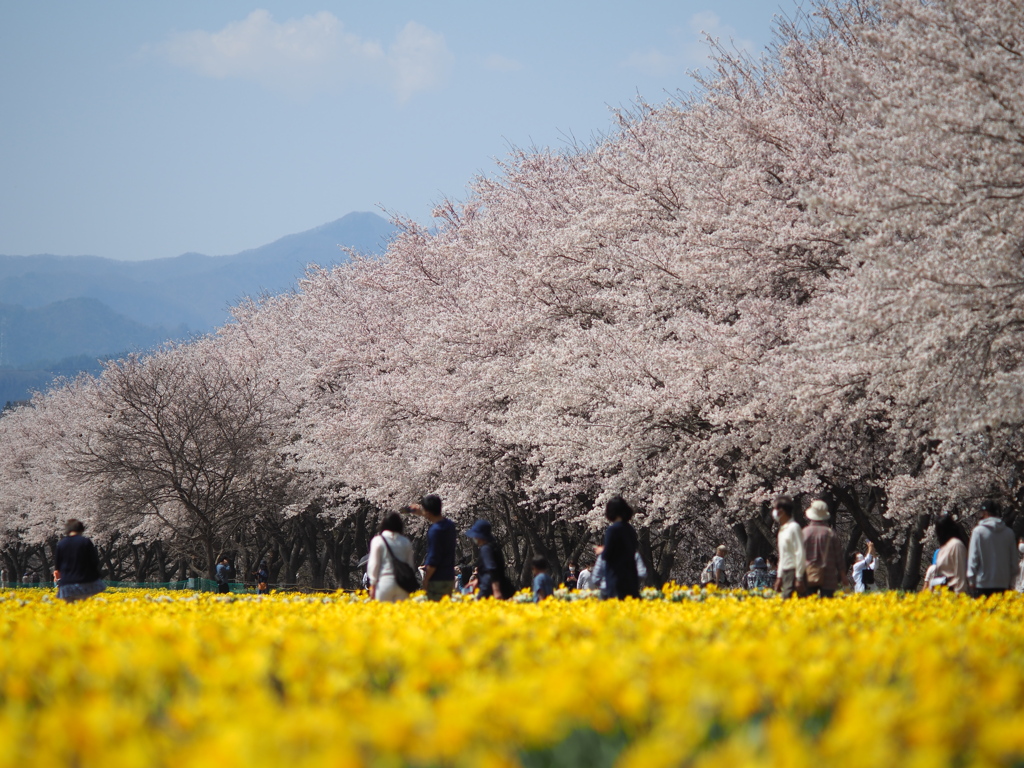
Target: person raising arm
{"type": "Point", "coordinates": [439, 571]}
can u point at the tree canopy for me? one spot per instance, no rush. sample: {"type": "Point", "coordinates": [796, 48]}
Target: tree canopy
{"type": "Point", "coordinates": [803, 278]}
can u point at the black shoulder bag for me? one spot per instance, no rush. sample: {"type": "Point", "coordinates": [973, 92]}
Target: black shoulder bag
{"type": "Point", "coordinates": [405, 574]}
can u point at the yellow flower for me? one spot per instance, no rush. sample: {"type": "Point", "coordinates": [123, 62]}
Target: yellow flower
{"type": "Point", "coordinates": [697, 677]}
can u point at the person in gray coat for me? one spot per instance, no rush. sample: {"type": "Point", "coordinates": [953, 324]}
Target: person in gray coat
{"type": "Point", "coordinates": [992, 556]}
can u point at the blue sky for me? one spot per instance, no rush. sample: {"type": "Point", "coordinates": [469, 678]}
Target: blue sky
{"type": "Point", "coordinates": [142, 130]}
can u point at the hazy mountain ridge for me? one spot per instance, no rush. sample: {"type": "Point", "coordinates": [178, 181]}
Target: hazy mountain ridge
{"type": "Point", "coordinates": [38, 337]}
{"type": "Point", "coordinates": [192, 289]}
{"type": "Point", "coordinates": [57, 307]}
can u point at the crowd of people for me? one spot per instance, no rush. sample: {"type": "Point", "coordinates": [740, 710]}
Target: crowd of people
{"type": "Point", "coordinates": [617, 573]}
{"type": "Point", "coordinates": [811, 559]}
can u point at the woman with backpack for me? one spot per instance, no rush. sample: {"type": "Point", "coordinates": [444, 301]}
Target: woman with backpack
{"type": "Point", "coordinates": [390, 567]}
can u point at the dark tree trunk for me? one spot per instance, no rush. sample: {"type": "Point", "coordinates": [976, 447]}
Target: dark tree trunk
{"type": "Point", "coordinates": [658, 553]}
{"type": "Point", "coordinates": [853, 544]}
{"type": "Point", "coordinates": [142, 560]}
{"type": "Point", "coordinates": [48, 557]}
{"type": "Point", "coordinates": [291, 556]}
{"type": "Point", "coordinates": [753, 541]}
{"type": "Point", "coordinates": [164, 563]}
{"type": "Point", "coordinates": [915, 543]}
{"type": "Point", "coordinates": [543, 547]}
{"type": "Point", "coordinates": [17, 556]}
{"type": "Point", "coordinates": [309, 530]}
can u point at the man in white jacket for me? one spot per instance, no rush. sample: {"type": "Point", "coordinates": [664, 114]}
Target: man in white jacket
{"type": "Point", "coordinates": [792, 561]}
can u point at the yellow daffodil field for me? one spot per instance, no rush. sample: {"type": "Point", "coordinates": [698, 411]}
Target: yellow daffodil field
{"type": "Point", "coordinates": [173, 679]}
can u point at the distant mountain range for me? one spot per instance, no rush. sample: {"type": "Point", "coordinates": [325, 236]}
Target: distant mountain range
{"type": "Point", "coordinates": [61, 314]}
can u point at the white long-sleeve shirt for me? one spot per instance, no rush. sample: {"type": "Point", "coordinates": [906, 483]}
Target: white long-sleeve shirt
{"type": "Point", "coordinates": [858, 571]}
{"type": "Point", "coordinates": [380, 564]}
{"type": "Point", "coordinates": [583, 580]}
{"type": "Point", "coordinates": [791, 549]}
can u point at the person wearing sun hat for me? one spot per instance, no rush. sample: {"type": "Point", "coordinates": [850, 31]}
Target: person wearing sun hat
{"type": "Point", "coordinates": [758, 576]}
{"type": "Point", "coordinates": [826, 565]}
{"type": "Point", "coordinates": [492, 581]}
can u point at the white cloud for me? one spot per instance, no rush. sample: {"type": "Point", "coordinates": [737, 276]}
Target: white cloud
{"type": "Point", "coordinates": [502, 63]}
{"type": "Point", "coordinates": [687, 48]}
{"type": "Point", "coordinates": [419, 60]}
{"type": "Point", "coordinates": [314, 53]}
{"type": "Point", "coordinates": [653, 62]}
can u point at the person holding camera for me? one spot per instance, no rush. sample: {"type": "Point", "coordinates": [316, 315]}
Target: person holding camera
{"type": "Point", "coordinates": [863, 570]}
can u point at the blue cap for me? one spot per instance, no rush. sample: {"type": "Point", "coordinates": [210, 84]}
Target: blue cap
{"type": "Point", "coordinates": [481, 529]}
{"type": "Point", "coordinates": [760, 564]}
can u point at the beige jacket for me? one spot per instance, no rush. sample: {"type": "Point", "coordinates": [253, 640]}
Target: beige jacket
{"type": "Point", "coordinates": [951, 562]}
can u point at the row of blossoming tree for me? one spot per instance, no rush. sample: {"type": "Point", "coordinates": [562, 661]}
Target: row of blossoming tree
{"type": "Point", "coordinates": [806, 277]}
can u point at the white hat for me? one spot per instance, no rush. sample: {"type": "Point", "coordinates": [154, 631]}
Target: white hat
{"type": "Point", "coordinates": [818, 511]}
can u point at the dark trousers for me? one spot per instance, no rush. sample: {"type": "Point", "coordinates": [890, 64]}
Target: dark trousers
{"type": "Point", "coordinates": [990, 591]}
{"type": "Point", "coordinates": [788, 583]}
{"type": "Point", "coordinates": [223, 589]}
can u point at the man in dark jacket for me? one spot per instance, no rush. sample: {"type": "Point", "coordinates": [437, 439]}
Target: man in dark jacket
{"type": "Point", "coordinates": [619, 552]}
{"type": "Point", "coordinates": [77, 565]}
{"type": "Point", "coordinates": [439, 570]}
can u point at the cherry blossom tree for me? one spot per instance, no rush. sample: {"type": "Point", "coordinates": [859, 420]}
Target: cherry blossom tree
{"type": "Point", "coordinates": [926, 327]}
{"type": "Point", "coordinates": [802, 278]}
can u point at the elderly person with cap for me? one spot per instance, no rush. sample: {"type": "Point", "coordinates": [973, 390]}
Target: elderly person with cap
{"type": "Point", "coordinates": [826, 565]}
{"type": "Point", "coordinates": [714, 571]}
{"type": "Point", "coordinates": [491, 578]}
